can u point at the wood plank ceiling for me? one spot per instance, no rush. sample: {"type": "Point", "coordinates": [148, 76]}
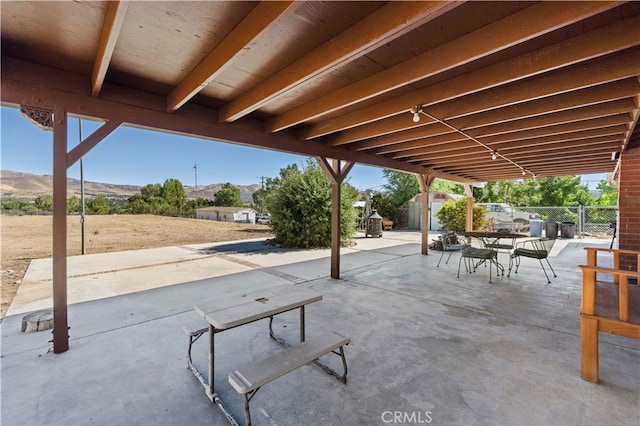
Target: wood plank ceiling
{"type": "Point", "coordinates": [547, 89]}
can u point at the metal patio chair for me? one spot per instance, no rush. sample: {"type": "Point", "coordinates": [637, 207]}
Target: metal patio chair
{"type": "Point", "coordinates": [476, 256]}
{"type": "Point", "coordinates": [534, 249]}
{"type": "Point", "coordinates": [501, 245]}
{"type": "Point", "coordinates": [450, 243]}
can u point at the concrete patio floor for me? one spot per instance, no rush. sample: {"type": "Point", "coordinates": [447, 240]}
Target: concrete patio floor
{"type": "Point", "coordinates": [426, 347]}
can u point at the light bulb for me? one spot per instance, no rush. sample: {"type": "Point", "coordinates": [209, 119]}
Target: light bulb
{"type": "Point", "coordinates": [416, 117]}
{"type": "Point", "coordinates": [524, 172]}
{"type": "Point", "coordinates": [494, 155]}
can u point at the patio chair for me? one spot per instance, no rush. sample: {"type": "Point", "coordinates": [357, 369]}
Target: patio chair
{"type": "Point", "coordinates": [534, 249]}
{"type": "Point", "coordinates": [475, 256]}
{"type": "Point", "coordinates": [450, 243]}
{"type": "Point", "coordinates": [504, 245]}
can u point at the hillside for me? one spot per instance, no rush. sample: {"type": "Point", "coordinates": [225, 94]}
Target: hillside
{"type": "Point", "coordinates": [27, 186]}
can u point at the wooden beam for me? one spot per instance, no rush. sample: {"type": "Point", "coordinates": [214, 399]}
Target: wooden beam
{"type": "Point", "coordinates": [380, 144]}
{"type": "Point", "coordinates": [260, 18]}
{"type": "Point", "coordinates": [615, 112]}
{"type": "Point", "coordinates": [91, 141]}
{"type": "Point", "coordinates": [21, 84]}
{"type": "Point", "coordinates": [430, 146]}
{"type": "Point", "coordinates": [498, 35]}
{"type": "Point", "coordinates": [580, 105]}
{"type": "Point", "coordinates": [517, 146]}
{"type": "Point", "coordinates": [588, 46]}
{"type": "Point", "coordinates": [380, 128]}
{"type": "Point", "coordinates": [468, 190]}
{"type": "Point", "coordinates": [116, 12]}
{"type": "Point", "coordinates": [573, 149]}
{"type": "Point", "coordinates": [582, 98]}
{"type": "Point", "coordinates": [425, 182]}
{"type": "Point", "coordinates": [605, 70]}
{"type": "Point", "coordinates": [384, 25]}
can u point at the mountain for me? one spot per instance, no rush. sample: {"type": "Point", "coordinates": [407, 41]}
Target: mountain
{"type": "Point", "coordinates": [27, 186]}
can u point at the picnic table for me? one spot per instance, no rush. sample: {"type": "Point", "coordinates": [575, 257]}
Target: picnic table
{"type": "Point", "coordinates": [233, 311]}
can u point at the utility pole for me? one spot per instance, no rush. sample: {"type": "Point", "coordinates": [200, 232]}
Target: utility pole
{"type": "Point", "coordinates": [262, 178]}
{"type": "Point", "coordinates": [195, 168]}
{"type": "Point", "coordinates": [83, 250]}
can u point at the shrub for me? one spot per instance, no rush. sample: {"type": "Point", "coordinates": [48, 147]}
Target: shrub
{"type": "Point", "coordinates": [300, 207]}
{"type": "Point", "coordinates": [384, 206]}
{"type": "Point", "coordinates": [453, 215]}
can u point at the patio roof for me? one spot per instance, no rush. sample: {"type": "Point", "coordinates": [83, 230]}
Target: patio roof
{"type": "Point", "coordinates": [551, 88]}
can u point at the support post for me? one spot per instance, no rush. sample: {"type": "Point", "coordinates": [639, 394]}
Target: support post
{"type": "Point", "coordinates": [425, 182]}
{"type": "Point", "coordinates": [57, 120]}
{"type": "Point", "coordinates": [469, 219]}
{"type": "Point", "coordinates": [60, 324]}
{"type": "Point", "coordinates": [336, 174]}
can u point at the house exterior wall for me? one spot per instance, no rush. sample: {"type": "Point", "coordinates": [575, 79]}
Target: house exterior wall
{"type": "Point", "coordinates": [629, 204]}
{"type": "Point", "coordinates": [240, 215]}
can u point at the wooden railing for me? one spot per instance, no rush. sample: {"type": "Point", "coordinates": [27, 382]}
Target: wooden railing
{"type": "Point", "coordinates": [610, 304]}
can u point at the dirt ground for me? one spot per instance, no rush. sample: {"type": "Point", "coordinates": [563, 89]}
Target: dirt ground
{"type": "Point", "coordinates": [29, 237]}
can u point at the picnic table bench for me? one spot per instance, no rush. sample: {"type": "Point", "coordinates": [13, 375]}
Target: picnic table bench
{"type": "Point", "coordinates": [248, 380]}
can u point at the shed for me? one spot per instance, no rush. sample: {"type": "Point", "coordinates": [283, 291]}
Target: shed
{"type": "Point", "coordinates": [227, 214]}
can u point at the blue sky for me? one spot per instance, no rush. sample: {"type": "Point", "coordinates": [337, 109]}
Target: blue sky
{"type": "Point", "coordinates": [139, 157]}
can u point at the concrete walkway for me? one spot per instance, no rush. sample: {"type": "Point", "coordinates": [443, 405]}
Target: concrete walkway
{"type": "Point", "coordinates": [426, 346]}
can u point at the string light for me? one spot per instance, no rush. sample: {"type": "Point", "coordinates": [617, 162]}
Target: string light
{"type": "Point", "coordinates": [417, 110]}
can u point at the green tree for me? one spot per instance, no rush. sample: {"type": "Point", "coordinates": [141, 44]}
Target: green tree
{"type": "Point", "coordinates": [173, 192]}
{"type": "Point", "coordinates": [446, 186]}
{"type": "Point", "coordinates": [300, 207]}
{"type": "Point", "coordinates": [97, 205]}
{"type": "Point", "coordinates": [151, 190]}
{"type": "Point", "coordinates": [564, 191]}
{"type": "Point", "coordinates": [453, 215]}
{"type": "Point", "coordinates": [384, 205]}
{"type": "Point", "coordinates": [17, 205]}
{"type": "Point", "coordinates": [258, 197]}
{"type": "Point", "coordinates": [549, 191]}
{"type": "Point", "coordinates": [229, 196]}
{"type": "Point", "coordinates": [138, 206]}
{"type": "Point", "coordinates": [400, 186]}
{"type": "Point", "coordinates": [74, 205]}
{"type": "Point", "coordinates": [160, 206]}
{"type": "Point", "coordinates": [44, 202]}
{"type": "Point", "coordinates": [608, 195]}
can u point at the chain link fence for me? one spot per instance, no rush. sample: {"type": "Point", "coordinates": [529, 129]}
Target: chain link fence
{"type": "Point", "coordinates": [566, 222]}
{"type": "Point", "coordinates": [595, 221]}
{"type": "Point", "coordinates": [26, 212]}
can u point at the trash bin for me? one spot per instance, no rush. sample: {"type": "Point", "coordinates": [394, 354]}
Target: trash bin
{"type": "Point", "coordinates": [535, 227]}
{"type": "Point", "coordinates": [568, 229]}
{"type": "Point", "coordinates": [551, 229]}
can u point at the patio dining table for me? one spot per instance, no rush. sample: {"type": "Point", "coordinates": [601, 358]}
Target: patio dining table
{"type": "Point", "coordinates": [495, 240]}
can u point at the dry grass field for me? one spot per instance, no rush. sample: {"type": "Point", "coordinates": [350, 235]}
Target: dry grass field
{"type": "Point", "coordinates": [24, 238]}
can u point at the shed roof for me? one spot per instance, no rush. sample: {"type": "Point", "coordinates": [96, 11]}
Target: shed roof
{"type": "Point", "coordinates": [224, 209]}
